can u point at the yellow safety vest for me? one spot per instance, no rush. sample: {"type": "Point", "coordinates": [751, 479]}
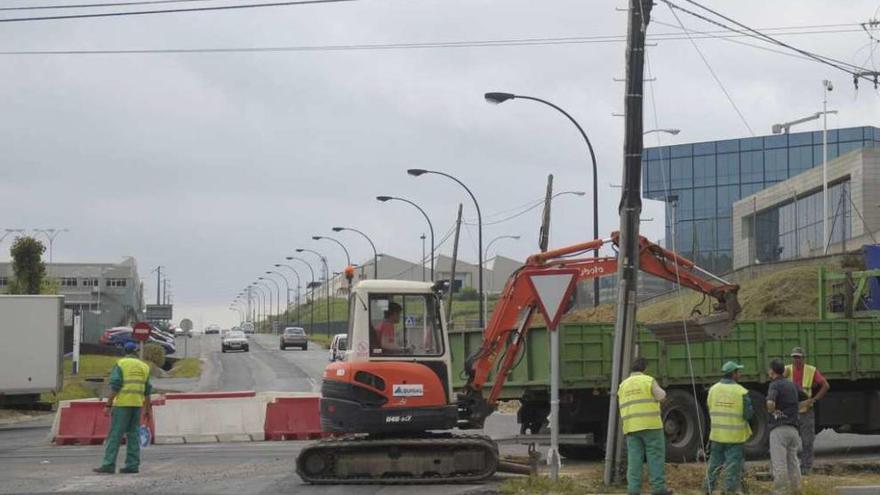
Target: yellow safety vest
{"type": "Point", "coordinates": [134, 382]}
{"type": "Point", "coordinates": [639, 410]}
{"type": "Point", "coordinates": [806, 381]}
{"type": "Point", "coordinates": [726, 412]}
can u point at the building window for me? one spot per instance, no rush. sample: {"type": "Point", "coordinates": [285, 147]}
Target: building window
{"type": "Point", "coordinates": [4, 281]}
{"type": "Point", "coordinates": [67, 282]}
{"type": "Point", "coordinates": [658, 175]}
{"type": "Point", "coordinates": [116, 282]}
{"type": "Point", "coordinates": [728, 169]}
{"type": "Point", "coordinates": [90, 282]}
{"type": "Point", "coordinates": [727, 195]}
{"type": "Point", "coordinates": [704, 202]}
{"type": "Point", "coordinates": [751, 165]}
{"type": "Point", "coordinates": [704, 171]}
{"type": "Point", "coordinates": [775, 165]}
{"type": "Point", "coordinates": [800, 158]}
{"type": "Point", "coordinates": [682, 172]}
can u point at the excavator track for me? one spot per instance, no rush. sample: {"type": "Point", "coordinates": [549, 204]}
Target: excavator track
{"type": "Point", "coordinates": [425, 459]}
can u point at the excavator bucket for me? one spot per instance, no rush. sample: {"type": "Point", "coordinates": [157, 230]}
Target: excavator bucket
{"type": "Point", "coordinates": [700, 328]}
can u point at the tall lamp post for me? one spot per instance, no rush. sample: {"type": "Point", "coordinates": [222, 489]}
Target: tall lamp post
{"type": "Point", "coordinates": [263, 280]}
{"type": "Point", "coordinates": [259, 307]}
{"type": "Point", "coordinates": [277, 296]}
{"type": "Point", "coordinates": [311, 286]}
{"type": "Point", "coordinates": [499, 98]}
{"type": "Point", "coordinates": [298, 285]}
{"type": "Point", "coordinates": [51, 234]}
{"type": "Point", "coordinates": [326, 282]}
{"type": "Point", "coordinates": [375, 253]}
{"type": "Point", "coordinates": [416, 172]}
{"type": "Point", "coordinates": [385, 199]}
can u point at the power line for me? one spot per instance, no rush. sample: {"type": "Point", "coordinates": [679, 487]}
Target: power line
{"type": "Point", "coordinates": [409, 45]}
{"type": "Point", "coordinates": [714, 75]}
{"type": "Point", "coordinates": [170, 11]}
{"type": "Point", "coordinates": [98, 5]}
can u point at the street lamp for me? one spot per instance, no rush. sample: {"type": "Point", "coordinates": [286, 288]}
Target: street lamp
{"type": "Point", "coordinates": [310, 286]}
{"type": "Point", "coordinates": [298, 285]}
{"type": "Point", "coordinates": [672, 132]}
{"type": "Point", "coordinates": [277, 295]}
{"type": "Point", "coordinates": [51, 234]}
{"type": "Point", "coordinates": [260, 306]}
{"type": "Point", "coordinates": [500, 237]}
{"type": "Point", "coordinates": [385, 199]}
{"type": "Point", "coordinates": [498, 98]}
{"type": "Point", "coordinates": [11, 231]}
{"type": "Point", "coordinates": [375, 253]}
{"type": "Point", "coordinates": [287, 286]}
{"type": "Point", "coordinates": [783, 129]}
{"type": "Point", "coordinates": [326, 282]}
{"type": "Point", "coordinates": [347, 256]}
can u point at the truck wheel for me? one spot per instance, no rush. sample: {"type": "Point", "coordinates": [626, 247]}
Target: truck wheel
{"type": "Point", "coordinates": [684, 423]}
{"type": "Point", "coordinates": [759, 443]}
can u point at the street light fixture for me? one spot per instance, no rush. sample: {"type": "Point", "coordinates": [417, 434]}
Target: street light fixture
{"type": "Point", "coordinates": [51, 234]}
{"type": "Point", "coordinates": [277, 296]}
{"type": "Point", "coordinates": [347, 256]}
{"type": "Point", "coordinates": [310, 286]}
{"type": "Point", "coordinates": [326, 282]}
{"type": "Point", "coordinates": [375, 253]}
{"type": "Point", "coordinates": [298, 286]}
{"type": "Point", "coordinates": [287, 286]}
{"type": "Point", "coordinates": [673, 132]}
{"type": "Point", "coordinates": [385, 199]}
{"type": "Point", "coordinates": [498, 98]}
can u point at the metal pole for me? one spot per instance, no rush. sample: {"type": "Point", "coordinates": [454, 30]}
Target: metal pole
{"type": "Point", "coordinates": [630, 212]}
{"type": "Point", "coordinates": [423, 256]}
{"type": "Point", "coordinates": [825, 167]}
{"type": "Point", "coordinates": [77, 335]}
{"type": "Point", "coordinates": [553, 456]}
{"type": "Point", "coordinates": [427, 219]}
{"type": "Point", "coordinates": [158, 284]}
{"type": "Point", "coordinates": [373, 246]}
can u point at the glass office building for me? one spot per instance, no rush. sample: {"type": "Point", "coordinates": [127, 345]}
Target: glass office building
{"type": "Point", "coordinates": [700, 182]}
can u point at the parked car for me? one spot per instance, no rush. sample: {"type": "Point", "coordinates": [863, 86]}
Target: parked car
{"type": "Point", "coordinates": [294, 337]}
{"type": "Point", "coordinates": [178, 332]}
{"type": "Point", "coordinates": [247, 327]}
{"type": "Point", "coordinates": [212, 329]}
{"type": "Point", "coordinates": [110, 332]}
{"type": "Point", "coordinates": [234, 341]}
{"type": "Point", "coordinates": [338, 346]}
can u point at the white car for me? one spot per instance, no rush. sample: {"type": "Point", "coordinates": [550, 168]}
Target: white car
{"type": "Point", "coordinates": [338, 346]}
{"type": "Point", "coordinates": [234, 341]}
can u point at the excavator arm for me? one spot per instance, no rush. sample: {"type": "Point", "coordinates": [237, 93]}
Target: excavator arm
{"type": "Point", "coordinates": [506, 333]}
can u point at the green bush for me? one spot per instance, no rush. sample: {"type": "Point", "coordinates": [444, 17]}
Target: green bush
{"type": "Point", "coordinates": [467, 294]}
{"type": "Point", "coordinates": [154, 353]}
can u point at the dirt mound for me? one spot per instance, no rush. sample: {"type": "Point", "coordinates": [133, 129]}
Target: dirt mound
{"type": "Point", "coordinates": [786, 294]}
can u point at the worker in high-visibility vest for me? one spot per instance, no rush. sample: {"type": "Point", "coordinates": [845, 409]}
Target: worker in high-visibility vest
{"type": "Point", "coordinates": [130, 392]}
{"type": "Point", "coordinates": [806, 378]}
{"type": "Point", "coordinates": [639, 398]}
{"type": "Point", "coordinates": [730, 410]}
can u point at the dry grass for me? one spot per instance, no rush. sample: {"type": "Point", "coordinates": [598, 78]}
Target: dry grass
{"type": "Point", "coordinates": [791, 293]}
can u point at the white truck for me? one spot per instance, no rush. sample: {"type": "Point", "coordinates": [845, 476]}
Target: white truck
{"type": "Point", "coordinates": [31, 357]}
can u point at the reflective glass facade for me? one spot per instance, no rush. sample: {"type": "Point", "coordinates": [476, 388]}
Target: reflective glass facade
{"type": "Point", "coordinates": [700, 182]}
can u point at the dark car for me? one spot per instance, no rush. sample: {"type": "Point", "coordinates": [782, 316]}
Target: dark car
{"type": "Point", "coordinates": [294, 337]}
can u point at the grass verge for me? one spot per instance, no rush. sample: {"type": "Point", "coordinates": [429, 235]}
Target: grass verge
{"type": "Point", "coordinates": [186, 368]}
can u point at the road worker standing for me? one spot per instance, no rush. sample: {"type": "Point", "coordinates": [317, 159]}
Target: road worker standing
{"type": "Point", "coordinates": [806, 378]}
{"type": "Point", "coordinates": [730, 410]}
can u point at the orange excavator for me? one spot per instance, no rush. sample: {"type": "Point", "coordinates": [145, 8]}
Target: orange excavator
{"type": "Point", "coordinates": [392, 393]}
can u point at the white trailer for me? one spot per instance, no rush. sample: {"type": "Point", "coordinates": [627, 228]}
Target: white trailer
{"type": "Point", "coordinates": [31, 357]}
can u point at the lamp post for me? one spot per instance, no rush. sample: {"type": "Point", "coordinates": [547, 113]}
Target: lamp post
{"type": "Point", "coordinates": [498, 98]}
{"type": "Point", "coordinates": [10, 231]}
{"type": "Point", "coordinates": [422, 237]}
{"type": "Point", "coordinates": [326, 282]}
{"type": "Point", "coordinates": [277, 297]}
{"type": "Point", "coordinates": [286, 286]}
{"type": "Point", "coordinates": [298, 285]}
{"type": "Point", "coordinates": [51, 234]}
{"type": "Point", "coordinates": [375, 253]}
{"type": "Point", "coordinates": [385, 199]}
{"type": "Point", "coordinates": [259, 306]}
{"type": "Point", "coordinates": [311, 286]}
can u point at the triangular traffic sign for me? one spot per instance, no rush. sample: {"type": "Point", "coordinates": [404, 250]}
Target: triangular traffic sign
{"type": "Point", "coordinates": [553, 289]}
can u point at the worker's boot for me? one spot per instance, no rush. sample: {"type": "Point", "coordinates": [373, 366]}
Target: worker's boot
{"type": "Point", "coordinates": [104, 470]}
{"type": "Point", "coordinates": [129, 470]}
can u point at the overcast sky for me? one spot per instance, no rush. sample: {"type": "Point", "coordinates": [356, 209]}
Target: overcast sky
{"type": "Point", "coordinates": [216, 166]}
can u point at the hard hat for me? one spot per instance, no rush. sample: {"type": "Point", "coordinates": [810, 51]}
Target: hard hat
{"type": "Point", "coordinates": [130, 346]}
{"type": "Point", "coordinates": [731, 366]}
{"type": "Point", "coordinates": [797, 352]}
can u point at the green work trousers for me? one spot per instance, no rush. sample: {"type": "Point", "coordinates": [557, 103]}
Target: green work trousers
{"type": "Point", "coordinates": [727, 457]}
{"type": "Point", "coordinates": [647, 445]}
{"type": "Point", "coordinates": [123, 421]}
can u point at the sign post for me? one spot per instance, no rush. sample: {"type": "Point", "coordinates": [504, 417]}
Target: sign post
{"type": "Point", "coordinates": [187, 325]}
{"type": "Point", "coordinates": [553, 290]}
{"type": "Point", "coordinates": [77, 336]}
{"type": "Point", "coordinates": [141, 332]}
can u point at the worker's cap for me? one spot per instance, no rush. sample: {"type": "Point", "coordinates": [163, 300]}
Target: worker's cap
{"type": "Point", "coordinates": [797, 352]}
{"type": "Point", "coordinates": [130, 346]}
{"type": "Point", "coordinates": [731, 366]}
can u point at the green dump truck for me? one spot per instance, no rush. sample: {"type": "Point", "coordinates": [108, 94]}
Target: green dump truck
{"type": "Point", "coordinates": [846, 351]}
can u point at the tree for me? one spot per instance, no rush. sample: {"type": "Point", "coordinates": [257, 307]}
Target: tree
{"type": "Point", "coordinates": [27, 265]}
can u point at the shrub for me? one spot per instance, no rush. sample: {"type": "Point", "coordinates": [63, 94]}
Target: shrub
{"type": "Point", "coordinates": [467, 294]}
{"type": "Point", "coordinates": [154, 353]}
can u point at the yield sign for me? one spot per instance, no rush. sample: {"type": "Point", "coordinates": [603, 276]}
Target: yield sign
{"type": "Point", "coordinates": [553, 289]}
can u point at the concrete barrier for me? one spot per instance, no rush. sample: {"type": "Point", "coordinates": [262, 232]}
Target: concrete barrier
{"type": "Point", "coordinates": [294, 418]}
{"type": "Point", "coordinates": [231, 419]}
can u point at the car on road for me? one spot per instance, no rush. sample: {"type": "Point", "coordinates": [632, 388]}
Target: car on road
{"type": "Point", "coordinates": [212, 329]}
{"type": "Point", "coordinates": [178, 331]}
{"type": "Point", "coordinates": [234, 341]}
{"type": "Point", "coordinates": [294, 337]}
{"type": "Point", "coordinates": [338, 346]}
{"type": "Point", "coordinates": [247, 327]}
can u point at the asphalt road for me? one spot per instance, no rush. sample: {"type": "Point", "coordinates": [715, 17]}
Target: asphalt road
{"type": "Point", "coordinates": [29, 464]}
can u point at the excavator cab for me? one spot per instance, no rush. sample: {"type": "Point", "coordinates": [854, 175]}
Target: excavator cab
{"type": "Point", "coordinates": [395, 375]}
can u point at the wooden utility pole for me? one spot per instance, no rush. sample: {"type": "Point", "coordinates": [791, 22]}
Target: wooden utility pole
{"type": "Point", "coordinates": [452, 268]}
{"type": "Point", "coordinates": [630, 210]}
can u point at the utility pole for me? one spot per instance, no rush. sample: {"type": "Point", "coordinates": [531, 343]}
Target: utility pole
{"type": "Point", "coordinates": [158, 271]}
{"type": "Point", "coordinates": [423, 237]}
{"type": "Point", "coordinates": [452, 268]}
{"type": "Point", "coordinates": [630, 210]}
